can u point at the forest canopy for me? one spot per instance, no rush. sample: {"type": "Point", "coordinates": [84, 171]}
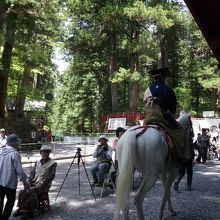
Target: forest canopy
{"type": "Point", "coordinates": [109, 46]}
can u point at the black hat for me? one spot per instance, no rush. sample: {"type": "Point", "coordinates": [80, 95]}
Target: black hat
{"type": "Point", "coordinates": [13, 139]}
{"type": "Point", "coordinates": [118, 130]}
{"type": "Point", "coordinates": [159, 71]}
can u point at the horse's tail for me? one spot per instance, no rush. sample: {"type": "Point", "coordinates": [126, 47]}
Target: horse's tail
{"type": "Point", "coordinates": [125, 149]}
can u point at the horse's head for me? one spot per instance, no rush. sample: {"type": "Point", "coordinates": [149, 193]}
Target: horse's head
{"type": "Point", "coordinates": [184, 120]}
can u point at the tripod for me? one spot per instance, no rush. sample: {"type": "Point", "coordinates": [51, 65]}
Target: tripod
{"type": "Point", "coordinates": [79, 157]}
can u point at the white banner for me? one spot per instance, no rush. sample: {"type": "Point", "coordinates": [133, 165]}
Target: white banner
{"type": "Point", "coordinates": [114, 123]}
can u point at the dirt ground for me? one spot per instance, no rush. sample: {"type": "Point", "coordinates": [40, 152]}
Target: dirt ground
{"type": "Point", "coordinates": [203, 203]}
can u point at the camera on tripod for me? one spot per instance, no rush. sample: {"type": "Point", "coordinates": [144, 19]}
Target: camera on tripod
{"type": "Point", "coordinates": [79, 158]}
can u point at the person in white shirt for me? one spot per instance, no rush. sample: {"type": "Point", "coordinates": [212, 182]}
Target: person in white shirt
{"type": "Point", "coordinates": [10, 170]}
{"type": "Point", "coordinates": [3, 138]}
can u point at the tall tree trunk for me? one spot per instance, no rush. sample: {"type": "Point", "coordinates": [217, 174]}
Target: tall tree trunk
{"type": "Point", "coordinates": [162, 60]}
{"type": "Point", "coordinates": [6, 59]}
{"type": "Point", "coordinates": [133, 85]}
{"type": "Point", "coordinates": [197, 91]}
{"type": "Point", "coordinates": [3, 9]}
{"type": "Point", "coordinates": [21, 95]}
{"type": "Point", "coordinates": [112, 70]}
{"type": "Point", "coordinates": [214, 99]}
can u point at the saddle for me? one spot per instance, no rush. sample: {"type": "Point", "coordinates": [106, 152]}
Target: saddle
{"type": "Point", "coordinates": [165, 134]}
{"type": "Point", "coordinates": [172, 155]}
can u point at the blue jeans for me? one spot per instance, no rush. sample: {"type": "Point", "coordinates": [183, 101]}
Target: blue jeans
{"type": "Point", "coordinates": [99, 171]}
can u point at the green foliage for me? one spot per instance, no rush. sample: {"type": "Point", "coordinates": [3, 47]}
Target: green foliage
{"type": "Point", "coordinates": [77, 99]}
{"type": "Point", "coordinates": [124, 74]}
{"type": "Point", "coordinates": [181, 94]}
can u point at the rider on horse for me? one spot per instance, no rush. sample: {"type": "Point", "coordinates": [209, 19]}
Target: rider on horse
{"type": "Point", "coordinates": [161, 105]}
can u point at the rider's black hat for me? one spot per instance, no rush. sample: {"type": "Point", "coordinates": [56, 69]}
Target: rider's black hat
{"type": "Point", "coordinates": [159, 71]}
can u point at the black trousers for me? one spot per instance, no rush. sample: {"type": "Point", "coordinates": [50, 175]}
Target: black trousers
{"type": "Point", "coordinates": [5, 211]}
{"type": "Point", "coordinates": [202, 154]}
{"type": "Point", "coordinates": [189, 170]}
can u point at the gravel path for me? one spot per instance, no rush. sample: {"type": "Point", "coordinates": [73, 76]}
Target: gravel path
{"type": "Point", "coordinates": [203, 203]}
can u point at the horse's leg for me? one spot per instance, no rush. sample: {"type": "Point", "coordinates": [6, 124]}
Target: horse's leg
{"type": "Point", "coordinates": [146, 185]}
{"type": "Point", "coordinates": [164, 179]}
{"type": "Point", "coordinates": [167, 180]}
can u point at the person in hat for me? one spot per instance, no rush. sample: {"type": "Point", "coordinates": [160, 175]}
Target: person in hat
{"type": "Point", "coordinates": [119, 132]}
{"type": "Point", "coordinates": [40, 178]}
{"type": "Point", "coordinates": [103, 155]}
{"type": "Point", "coordinates": [3, 138]}
{"type": "Point", "coordinates": [161, 103]}
{"type": "Point", "coordinates": [10, 170]}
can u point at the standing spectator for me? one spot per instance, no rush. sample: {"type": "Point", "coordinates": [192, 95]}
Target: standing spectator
{"type": "Point", "coordinates": [103, 155]}
{"type": "Point", "coordinates": [119, 132]}
{"type": "Point", "coordinates": [10, 170]}
{"type": "Point", "coordinates": [213, 149]}
{"type": "Point", "coordinates": [209, 144]}
{"type": "Point", "coordinates": [3, 138]}
{"type": "Point", "coordinates": [186, 166]}
{"type": "Point", "coordinates": [49, 136]}
{"type": "Point", "coordinates": [43, 135]}
{"type": "Point", "coordinates": [203, 144]}
{"type": "Point", "coordinates": [198, 159]}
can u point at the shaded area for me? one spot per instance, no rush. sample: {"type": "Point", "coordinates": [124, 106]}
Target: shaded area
{"type": "Point", "coordinates": [207, 16]}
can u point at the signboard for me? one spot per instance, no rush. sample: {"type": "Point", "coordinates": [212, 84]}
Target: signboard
{"type": "Point", "coordinates": [114, 123]}
{"type": "Point", "coordinates": [208, 114]}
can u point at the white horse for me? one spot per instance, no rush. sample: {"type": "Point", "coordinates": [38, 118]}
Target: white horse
{"type": "Point", "coordinates": [149, 154]}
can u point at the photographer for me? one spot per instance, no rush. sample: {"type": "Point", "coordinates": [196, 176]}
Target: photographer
{"type": "Point", "coordinates": [103, 155]}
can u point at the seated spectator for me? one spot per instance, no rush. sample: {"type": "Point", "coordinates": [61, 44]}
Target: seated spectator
{"type": "Point", "coordinates": [103, 155]}
{"type": "Point", "coordinates": [3, 138]}
{"type": "Point", "coordinates": [40, 179]}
